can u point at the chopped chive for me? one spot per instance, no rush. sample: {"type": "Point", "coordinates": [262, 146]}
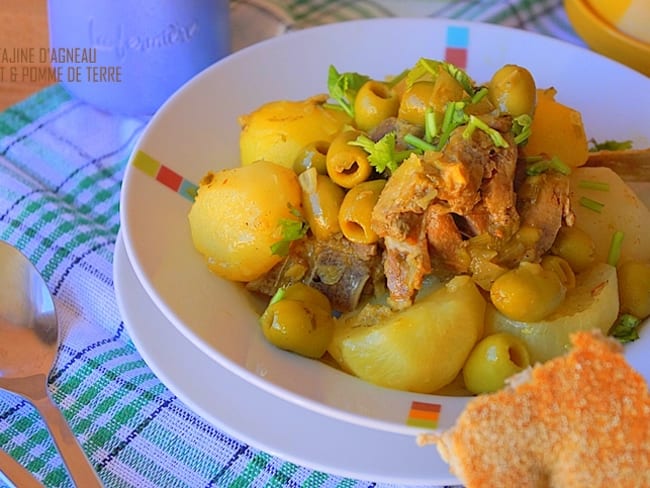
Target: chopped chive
{"type": "Point", "coordinates": [594, 185]}
{"type": "Point", "coordinates": [279, 295]}
{"type": "Point", "coordinates": [522, 128]}
{"type": "Point", "coordinates": [591, 204]}
{"type": "Point", "coordinates": [479, 95]}
{"type": "Point", "coordinates": [539, 166]}
{"type": "Point", "coordinates": [454, 116]}
{"type": "Point", "coordinates": [559, 166]}
{"type": "Point", "coordinates": [533, 159]}
{"type": "Point", "coordinates": [418, 143]}
{"type": "Point", "coordinates": [615, 248]}
{"type": "Point", "coordinates": [430, 126]}
{"type": "Point", "coordinates": [476, 123]}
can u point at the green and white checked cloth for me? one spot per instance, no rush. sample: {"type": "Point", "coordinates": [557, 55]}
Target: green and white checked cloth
{"type": "Point", "coordinates": [61, 167]}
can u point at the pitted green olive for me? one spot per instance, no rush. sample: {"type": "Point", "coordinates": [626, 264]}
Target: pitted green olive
{"type": "Point", "coordinates": [312, 156]}
{"type": "Point", "coordinates": [299, 321]}
{"type": "Point", "coordinates": [561, 268]}
{"type": "Point", "coordinates": [512, 90]}
{"type": "Point", "coordinates": [305, 293]}
{"type": "Point", "coordinates": [415, 101]}
{"type": "Point", "coordinates": [493, 360]}
{"type": "Point", "coordinates": [576, 247]}
{"type": "Point", "coordinates": [375, 102]}
{"type": "Point", "coordinates": [321, 201]}
{"type": "Point", "coordinates": [527, 293]}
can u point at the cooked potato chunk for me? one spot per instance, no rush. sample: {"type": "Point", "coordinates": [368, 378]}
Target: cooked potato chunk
{"type": "Point", "coordinates": [621, 211]}
{"type": "Point", "coordinates": [591, 304]}
{"type": "Point", "coordinates": [557, 130]}
{"type": "Point", "coordinates": [421, 348]}
{"type": "Point", "coordinates": [237, 217]}
{"type": "Point", "coordinates": [278, 131]}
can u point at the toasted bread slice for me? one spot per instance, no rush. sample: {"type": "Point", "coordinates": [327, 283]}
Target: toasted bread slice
{"type": "Point", "coordinates": [579, 420]}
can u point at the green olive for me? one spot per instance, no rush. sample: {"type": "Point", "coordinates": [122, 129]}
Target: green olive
{"type": "Point", "coordinates": [561, 268]}
{"type": "Point", "coordinates": [494, 359]}
{"type": "Point", "coordinates": [512, 90]}
{"type": "Point", "coordinates": [374, 102]}
{"type": "Point", "coordinates": [634, 288]}
{"type": "Point", "coordinates": [415, 101]}
{"type": "Point", "coordinates": [312, 156]}
{"type": "Point", "coordinates": [576, 247]}
{"type": "Point", "coordinates": [355, 214]}
{"type": "Point", "coordinates": [321, 201]}
{"type": "Point", "coordinates": [305, 293]}
{"type": "Point", "coordinates": [298, 323]}
{"type": "Point", "coordinates": [528, 293]}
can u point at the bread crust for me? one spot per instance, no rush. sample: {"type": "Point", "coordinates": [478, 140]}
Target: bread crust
{"type": "Point", "coordinates": [579, 420]}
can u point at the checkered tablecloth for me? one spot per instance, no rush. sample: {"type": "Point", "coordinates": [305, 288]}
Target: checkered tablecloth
{"type": "Point", "coordinates": [61, 167]}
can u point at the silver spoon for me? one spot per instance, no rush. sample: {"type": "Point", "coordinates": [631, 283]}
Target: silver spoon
{"type": "Point", "coordinates": [29, 340]}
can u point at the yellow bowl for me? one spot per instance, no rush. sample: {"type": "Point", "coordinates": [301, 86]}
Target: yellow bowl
{"type": "Point", "coordinates": [596, 25]}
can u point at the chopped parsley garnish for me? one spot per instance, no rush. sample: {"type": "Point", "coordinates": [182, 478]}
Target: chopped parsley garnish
{"type": "Point", "coordinates": [609, 145]}
{"type": "Point", "coordinates": [381, 154]}
{"type": "Point", "coordinates": [430, 68]}
{"type": "Point", "coordinates": [626, 328]}
{"type": "Point", "coordinates": [292, 230]}
{"type": "Point", "coordinates": [343, 88]}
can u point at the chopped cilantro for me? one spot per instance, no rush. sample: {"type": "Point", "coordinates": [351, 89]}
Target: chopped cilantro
{"type": "Point", "coordinates": [343, 88]}
{"type": "Point", "coordinates": [292, 230]}
{"type": "Point", "coordinates": [609, 145]}
{"type": "Point", "coordinates": [381, 154]}
{"type": "Point", "coordinates": [430, 67]}
{"type": "Point", "coordinates": [626, 328]}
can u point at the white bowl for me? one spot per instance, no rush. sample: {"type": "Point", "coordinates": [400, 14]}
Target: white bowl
{"type": "Point", "coordinates": [197, 131]}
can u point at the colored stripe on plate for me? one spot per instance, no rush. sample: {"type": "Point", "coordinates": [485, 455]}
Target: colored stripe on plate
{"type": "Point", "coordinates": [457, 42]}
{"type": "Point", "coordinates": [164, 175]}
{"type": "Point", "coordinates": [424, 415]}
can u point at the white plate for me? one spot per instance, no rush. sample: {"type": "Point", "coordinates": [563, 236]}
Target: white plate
{"type": "Point", "coordinates": [197, 131]}
{"type": "Point", "coordinates": [285, 429]}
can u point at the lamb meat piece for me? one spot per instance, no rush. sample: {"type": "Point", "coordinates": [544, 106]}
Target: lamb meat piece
{"type": "Point", "coordinates": [489, 199]}
{"type": "Point", "coordinates": [446, 242]}
{"type": "Point", "coordinates": [343, 271]}
{"type": "Point", "coordinates": [543, 204]}
{"type": "Point", "coordinates": [398, 219]}
{"type": "Point", "coordinates": [400, 127]}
